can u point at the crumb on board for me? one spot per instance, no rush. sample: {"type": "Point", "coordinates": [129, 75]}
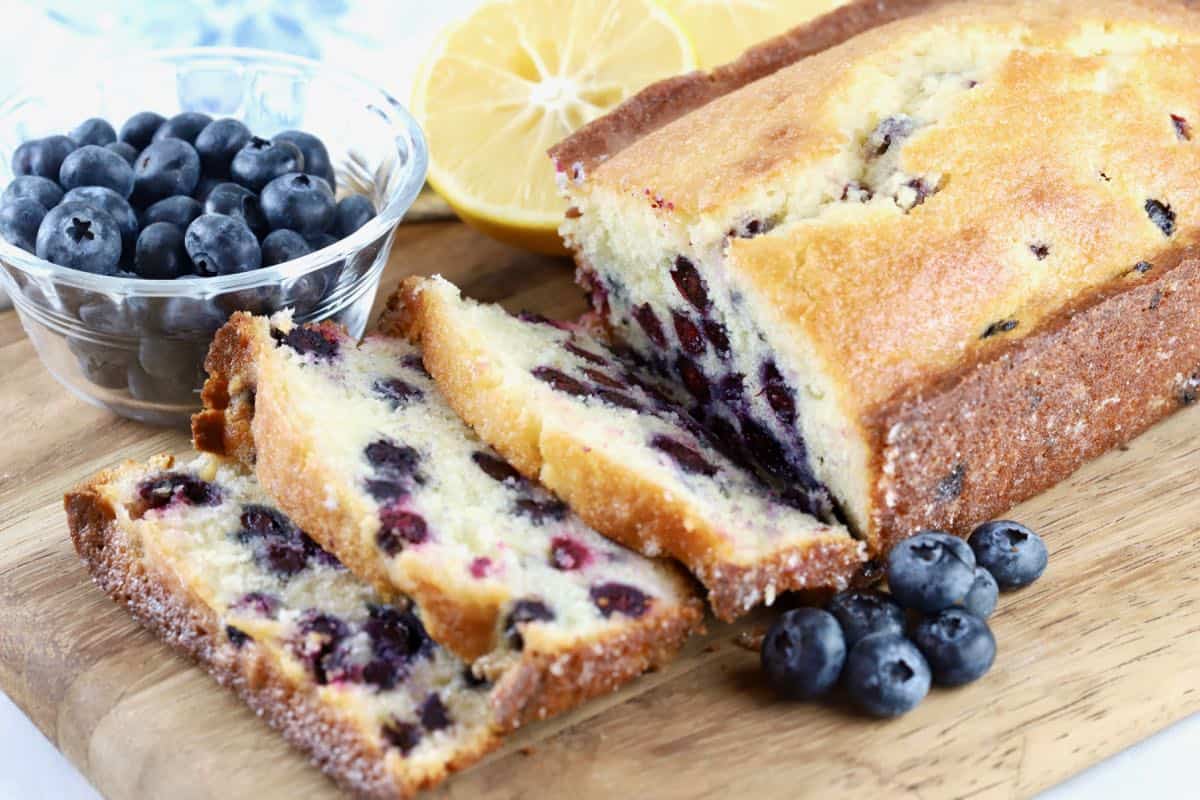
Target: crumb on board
{"type": "Point", "coordinates": [751, 639]}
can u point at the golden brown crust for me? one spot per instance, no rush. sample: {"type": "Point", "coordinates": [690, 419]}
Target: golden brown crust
{"type": "Point", "coordinates": [162, 603]}
{"type": "Point", "coordinates": [538, 686]}
{"type": "Point", "coordinates": [668, 100]}
{"type": "Point", "coordinates": [618, 502]}
{"type": "Point", "coordinates": [1093, 376]}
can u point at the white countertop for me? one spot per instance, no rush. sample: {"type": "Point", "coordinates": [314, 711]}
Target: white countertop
{"type": "Point", "coordinates": [32, 769]}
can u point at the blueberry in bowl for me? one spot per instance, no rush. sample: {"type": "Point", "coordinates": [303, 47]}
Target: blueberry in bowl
{"type": "Point", "coordinates": [119, 301]}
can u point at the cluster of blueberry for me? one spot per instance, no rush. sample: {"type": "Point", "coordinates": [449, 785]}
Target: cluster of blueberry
{"type": "Point", "coordinates": [187, 196]}
{"type": "Point", "coordinates": [942, 592]}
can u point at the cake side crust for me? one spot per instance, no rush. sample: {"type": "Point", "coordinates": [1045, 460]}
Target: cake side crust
{"type": "Point", "coordinates": [666, 101]}
{"type": "Point", "coordinates": [161, 603]}
{"type": "Point", "coordinates": [629, 509]}
{"type": "Point", "coordinates": [1100, 371]}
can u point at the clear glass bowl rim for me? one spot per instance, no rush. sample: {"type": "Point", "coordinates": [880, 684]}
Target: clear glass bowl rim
{"type": "Point", "coordinates": [408, 186]}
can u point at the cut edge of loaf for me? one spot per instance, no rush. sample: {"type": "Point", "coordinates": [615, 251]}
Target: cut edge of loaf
{"type": "Point", "coordinates": [538, 683]}
{"type": "Point", "coordinates": [159, 601]}
{"type": "Point", "coordinates": [619, 504]}
{"type": "Point", "coordinates": [665, 101]}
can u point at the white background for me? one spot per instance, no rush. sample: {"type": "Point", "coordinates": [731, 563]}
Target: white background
{"type": "Point", "coordinates": [30, 767]}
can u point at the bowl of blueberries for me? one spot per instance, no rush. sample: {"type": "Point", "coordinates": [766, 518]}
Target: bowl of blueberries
{"type": "Point", "coordinates": [142, 205]}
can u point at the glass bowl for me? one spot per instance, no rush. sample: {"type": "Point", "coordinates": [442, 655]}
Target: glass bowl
{"type": "Point", "coordinates": [137, 346]}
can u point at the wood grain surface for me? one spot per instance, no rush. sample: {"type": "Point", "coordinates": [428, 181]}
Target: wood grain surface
{"type": "Point", "coordinates": [1101, 653]}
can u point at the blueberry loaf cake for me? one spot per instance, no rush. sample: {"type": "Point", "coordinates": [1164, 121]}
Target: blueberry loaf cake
{"type": "Point", "coordinates": [935, 297]}
{"type": "Point", "coordinates": [355, 443]}
{"type": "Point", "coordinates": [564, 409]}
{"type": "Point", "coordinates": [200, 556]}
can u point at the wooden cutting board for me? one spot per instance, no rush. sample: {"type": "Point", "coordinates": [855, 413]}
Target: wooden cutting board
{"type": "Point", "coordinates": [1102, 652]}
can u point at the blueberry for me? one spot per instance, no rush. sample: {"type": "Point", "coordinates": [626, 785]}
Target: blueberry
{"type": "Point", "coordinates": [179, 210]}
{"type": "Point", "coordinates": [1015, 555]}
{"type": "Point", "coordinates": [166, 168]}
{"type": "Point", "coordinates": [185, 314]}
{"type": "Point", "coordinates": [320, 241]}
{"type": "Point", "coordinates": [160, 254]}
{"type": "Point", "coordinates": [46, 192]}
{"type": "Point", "coordinates": [803, 653]}
{"type": "Point", "coordinates": [101, 364]}
{"type": "Point", "coordinates": [261, 161]}
{"type": "Point", "coordinates": [125, 150]}
{"type": "Point", "coordinates": [299, 202]}
{"type": "Point", "coordinates": [205, 186]}
{"type": "Point", "coordinates": [93, 165]}
{"type": "Point", "coordinates": [186, 126]}
{"type": "Point", "coordinates": [79, 236]}
{"type": "Point", "coordinates": [218, 143]}
{"type": "Point", "coordinates": [316, 157]}
{"type": "Point", "coordinates": [221, 245]}
{"type": "Point", "coordinates": [139, 129]}
{"type": "Point", "coordinates": [115, 206]}
{"type": "Point", "coordinates": [862, 612]}
{"type": "Point", "coordinates": [167, 359]}
{"type": "Point", "coordinates": [20, 219]}
{"type": "Point", "coordinates": [93, 131]}
{"type": "Point", "coordinates": [981, 600]}
{"type": "Point", "coordinates": [886, 675]}
{"type": "Point", "coordinates": [144, 386]}
{"type": "Point", "coordinates": [931, 571]}
{"type": "Point", "coordinates": [352, 213]}
{"type": "Point", "coordinates": [238, 202]}
{"type": "Point", "coordinates": [283, 245]}
{"type": "Point", "coordinates": [42, 157]}
{"type": "Point", "coordinates": [958, 645]}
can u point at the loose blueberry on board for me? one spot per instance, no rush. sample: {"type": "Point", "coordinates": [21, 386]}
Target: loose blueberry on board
{"type": "Point", "coordinates": [218, 143]}
{"type": "Point", "coordinates": [260, 161]}
{"type": "Point", "coordinates": [886, 675]}
{"type": "Point", "coordinates": [93, 165]}
{"type": "Point", "coordinates": [166, 168]}
{"type": "Point", "coordinates": [352, 213]}
{"type": "Point", "coordinates": [931, 571]}
{"type": "Point", "coordinates": [20, 219]}
{"type": "Point", "coordinates": [93, 130]}
{"type": "Point", "coordinates": [139, 129]}
{"type": "Point", "coordinates": [180, 210]}
{"type": "Point", "coordinates": [221, 245]}
{"type": "Point", "coordinates": [283, 245]}
{"type": "Point", "coordinates": [42, 157]}
{"type": "Point", "coordinates": [981, 600]}
{"type": "Point", "coordinates": [958, 646]}
{"type": "Point", "coordinates": [125, 150]}
{"type": "Point", "coordinates": [113, 204]}
{"type": "Point", "coordinates": [186, 126]}
{"type": "Point", "coordinates": [316, 157]}
{"type": "Point", "coordinates": [34, 187]}
{"type": "Point", "coordinates": [160, 253]}
{"type": "Point", "coordinates": [803, 653]}
{"type": "Point", "coordinates": [299, 202]}
{"type": "Point", "coordinates": [234, 200]}
{"type": "Point", "coordinates": [1014, 554]}
{"type": "Point", "coordinates": [79, 236]}
{"type": "Point", "coordinates": [862, 612]}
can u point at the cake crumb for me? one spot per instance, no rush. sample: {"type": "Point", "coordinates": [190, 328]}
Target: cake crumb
{"type": "Point", "coordinates": [751, 639]}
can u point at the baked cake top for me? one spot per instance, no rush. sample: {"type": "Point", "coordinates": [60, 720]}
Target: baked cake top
{"type": "Point", "coordinates": [933, 186]}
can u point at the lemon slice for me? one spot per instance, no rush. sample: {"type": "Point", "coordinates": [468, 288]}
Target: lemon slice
{"type": "Point", "coordinates": [722, 30]}
{"type": "Point", "coordinates": [514, 78]}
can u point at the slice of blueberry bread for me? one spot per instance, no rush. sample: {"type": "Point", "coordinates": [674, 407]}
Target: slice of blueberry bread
{"type": "Point", "coordinates": [939, 294]}
{"type": "Point", "coordinates": [565, 409]}
{"type": "Point", "coordinates": [354, 442]}
{"type": "Point", "coordinates": [199, 555]}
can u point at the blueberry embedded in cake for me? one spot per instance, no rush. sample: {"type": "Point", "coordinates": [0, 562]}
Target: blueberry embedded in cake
{"type": "Point", "coordinates": [199, 555]}
{"type": "Point", "coordinates": [355, 443]}
{"type": "Point", "coordinates": [566, 409]}
{"type": "Point", "coordinates": [873, 253]}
